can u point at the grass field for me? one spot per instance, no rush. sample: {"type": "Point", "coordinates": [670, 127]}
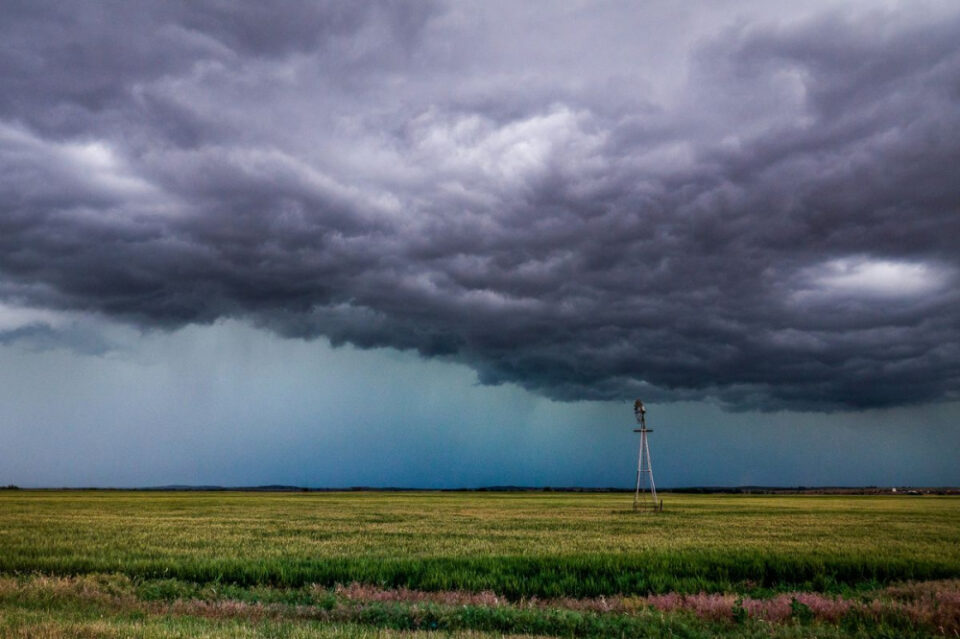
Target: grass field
{"type": "Point", "coordinates": [279, 564]}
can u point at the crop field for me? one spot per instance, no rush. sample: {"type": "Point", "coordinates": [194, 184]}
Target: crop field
{"type": "Point", "coordinates": [169, 564]}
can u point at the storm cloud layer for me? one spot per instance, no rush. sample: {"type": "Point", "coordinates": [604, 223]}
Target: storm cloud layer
{"type": "Point", "coordinates": [594, 201]}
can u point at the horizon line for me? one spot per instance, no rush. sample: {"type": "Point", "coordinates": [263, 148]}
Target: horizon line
{"type": "Point", "coordinates": [490, 488]}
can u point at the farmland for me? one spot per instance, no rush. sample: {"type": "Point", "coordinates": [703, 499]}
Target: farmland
{"type": "Point", "coordinates": [358, 564]}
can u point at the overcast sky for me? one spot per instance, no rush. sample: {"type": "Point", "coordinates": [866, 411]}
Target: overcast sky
{"type": "Point", "coordinates": [438, 244]}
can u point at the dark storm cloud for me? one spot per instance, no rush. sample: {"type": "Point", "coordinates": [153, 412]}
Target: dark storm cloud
{"type": "Point", "coordinates": [591, 203]}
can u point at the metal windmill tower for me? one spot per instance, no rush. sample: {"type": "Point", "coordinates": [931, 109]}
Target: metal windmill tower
{"type": "Point", "coordinates": [644, 469]}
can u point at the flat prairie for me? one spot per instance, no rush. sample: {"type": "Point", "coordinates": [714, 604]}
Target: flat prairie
{"type": "Point", "coordinates": [562, 564]}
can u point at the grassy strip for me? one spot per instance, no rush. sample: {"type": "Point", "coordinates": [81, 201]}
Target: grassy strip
{"type": "Point", "coordinates": [60, 624]}
{"type": "Point", "coordinates": [121, 599]}
{"type": "Point", "coordinates": [516, 577]}
{"type": "Point", "coordinates": [401, 621]}
{"type": "Point", "coordinates": [67, 624]}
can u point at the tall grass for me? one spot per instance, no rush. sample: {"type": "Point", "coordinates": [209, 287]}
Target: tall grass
{"type": "Point", "coordinates": [112, 601]}
{"type": "Point", "coordinates": [514, 577]}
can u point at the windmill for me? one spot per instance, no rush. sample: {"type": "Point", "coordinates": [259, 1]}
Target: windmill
{"type": "Point", "coordinates": [644, 469]}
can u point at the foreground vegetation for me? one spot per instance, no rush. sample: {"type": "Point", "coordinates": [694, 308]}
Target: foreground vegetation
{"type": "Point", "coordinates": [365, 564]}
{"type": "Point", "coordinates": [115, 606]}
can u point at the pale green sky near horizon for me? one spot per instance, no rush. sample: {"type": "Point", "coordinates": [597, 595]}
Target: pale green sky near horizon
{"type": "Point", "coordinates": [229, 404]}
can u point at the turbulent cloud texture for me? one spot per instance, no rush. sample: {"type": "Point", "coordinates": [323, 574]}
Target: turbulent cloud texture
{"type": "Point", "coordinates": [590, 201]}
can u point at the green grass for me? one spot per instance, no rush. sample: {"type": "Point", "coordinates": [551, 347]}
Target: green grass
{"type": "Point", "coordinates": [158, 565]}
{"type": "Point", "coordinates": [518, 545]}
{"type": "Point", "coordinates": [114, 606]}
{"type": "Point", "coordinates": [69, 624]}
